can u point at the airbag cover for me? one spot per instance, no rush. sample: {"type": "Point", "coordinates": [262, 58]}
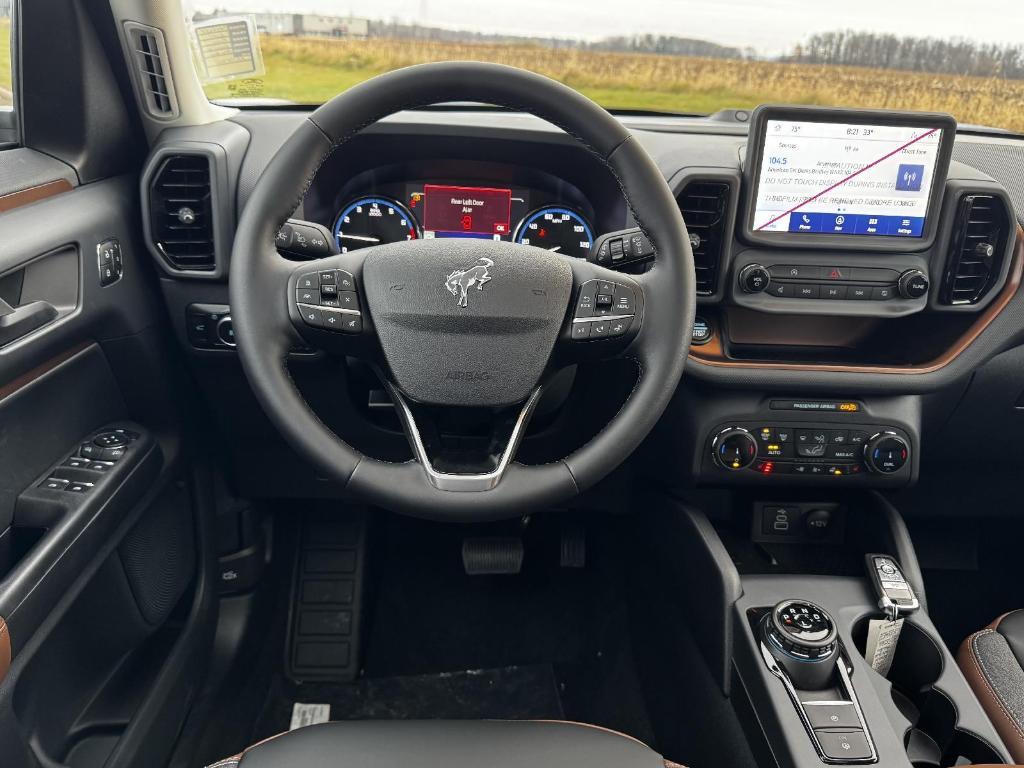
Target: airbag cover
{"type": "Point", "coordinates": [466, 322]}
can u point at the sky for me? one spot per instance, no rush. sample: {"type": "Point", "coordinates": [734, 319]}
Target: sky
{"type": "Point", "coordinates": [769, 26]}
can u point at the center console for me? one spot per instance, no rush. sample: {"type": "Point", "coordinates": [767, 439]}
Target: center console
{"type": "Point", "coordinates": [823, 644]}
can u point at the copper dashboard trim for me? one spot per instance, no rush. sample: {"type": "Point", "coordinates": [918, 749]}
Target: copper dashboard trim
{"type": "Point", "coordinates": [22, 197]}
{"type": "Point", "coordinates": [713, 354]}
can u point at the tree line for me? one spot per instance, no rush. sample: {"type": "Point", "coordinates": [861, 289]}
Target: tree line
{"type": "Point", "coordinates": [914, 54]}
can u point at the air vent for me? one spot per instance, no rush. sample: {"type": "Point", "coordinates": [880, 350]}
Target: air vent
{"type": "Point", "coordinates": [153, 78]}
{"type": "Point", "coordinates": [704, 205]}
{"type": "Point", "coordinates": [181, 212]}
{"type": "Point", "coordinates": [976, 249]}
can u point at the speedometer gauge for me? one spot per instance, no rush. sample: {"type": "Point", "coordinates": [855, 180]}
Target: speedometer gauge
{"type": "Point", "coordinates": [556, 229]}
{"type": "Point", "coordinates": [371, 221]}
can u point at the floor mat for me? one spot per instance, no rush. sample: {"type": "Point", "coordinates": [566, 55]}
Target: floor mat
{"type": "Point", "coordinates": [506, 693]}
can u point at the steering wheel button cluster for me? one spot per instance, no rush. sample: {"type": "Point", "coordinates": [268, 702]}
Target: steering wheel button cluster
{"type": "Point", "coordinates": [328, 300]}
{"type": "Point", "coordinates": [604, 309]}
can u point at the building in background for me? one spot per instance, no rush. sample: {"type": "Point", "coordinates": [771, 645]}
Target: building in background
{"type": "Point", "coordinates": [310, 24]}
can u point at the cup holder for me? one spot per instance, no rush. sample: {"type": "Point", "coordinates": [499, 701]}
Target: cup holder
{"type": "Point", "coordinates": [932, 739]}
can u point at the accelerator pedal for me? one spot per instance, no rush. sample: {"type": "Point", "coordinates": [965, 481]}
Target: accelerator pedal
{"type": "Point", "coordinates": [492, 555]}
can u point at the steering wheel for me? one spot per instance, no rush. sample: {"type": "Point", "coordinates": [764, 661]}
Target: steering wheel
{"type": "Point", "coordinates": [463, 323]}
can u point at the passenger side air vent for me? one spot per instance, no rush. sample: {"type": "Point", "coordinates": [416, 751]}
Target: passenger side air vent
{"type": "Point", "coordinates": [181, 212]}
{"type": "Point", "coordinates": [704, 205]}
{"type": "Point", "coordinates": [153, 79]}
{"type": "Point", "coordinates": [976, 249]}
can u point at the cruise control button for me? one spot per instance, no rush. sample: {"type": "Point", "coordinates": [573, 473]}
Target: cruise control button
{"type": "Point", "coordinates": [344, 280]}
{"type": "Point", "coordinates": [329, 290]}
{"type": "Point", "coordinates": [307, 295]}
{"type": "Point", "coordinates": [348, 300]}
{"type": "Point", "coordinates": [330, 301]}
{"type": "Point", "coordinates": [328, 277]}
{"type": "Point", "coordinates": [580, 331]}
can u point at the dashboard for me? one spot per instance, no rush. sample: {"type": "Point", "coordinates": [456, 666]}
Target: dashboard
{"type": "Point", "coordinates": [841, 256]}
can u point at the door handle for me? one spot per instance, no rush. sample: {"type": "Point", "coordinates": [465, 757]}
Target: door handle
{"type": "Point", "coordinates": [16, 322]}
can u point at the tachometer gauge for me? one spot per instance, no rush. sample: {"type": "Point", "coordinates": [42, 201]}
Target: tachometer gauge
{"type": "Point", "coordinates": [371, 221]}
{"type": "Point", "coordinates": [556, 229]}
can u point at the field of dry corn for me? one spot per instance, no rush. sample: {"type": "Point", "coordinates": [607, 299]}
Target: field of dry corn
{"type": "Point", "coordinates": [311, 70]}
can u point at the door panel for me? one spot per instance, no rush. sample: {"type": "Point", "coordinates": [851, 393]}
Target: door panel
{"type": "Point", "coordinates": [106, 590]}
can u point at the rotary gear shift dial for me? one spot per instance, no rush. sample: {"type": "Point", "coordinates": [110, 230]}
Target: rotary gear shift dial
{"type": "Point", "coordinates": [802, 638]}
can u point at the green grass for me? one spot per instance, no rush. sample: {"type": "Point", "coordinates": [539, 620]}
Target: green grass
{"type": "Point", "coordinates": [311, 82]}
{"type": "Point", "coordinates": [5, 62]}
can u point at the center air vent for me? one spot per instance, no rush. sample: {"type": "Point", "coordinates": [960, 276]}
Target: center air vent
{"type": "Point", "coordinates": [181, 212]}
{"type": "Point", "coordinates": [704, 205]}
{"type": "Point", "coordinates": [976, 249]}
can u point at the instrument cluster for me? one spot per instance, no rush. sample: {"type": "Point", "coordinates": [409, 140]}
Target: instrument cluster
{"type": "Point", "coordinates": [487, 201]}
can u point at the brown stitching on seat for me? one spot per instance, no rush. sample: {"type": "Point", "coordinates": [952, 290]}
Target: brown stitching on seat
{"type": "Point", "coordinates": [971, 651]}
{"type": "Point", "coordinates": [670, 764]}
{"type": "Point", "coordinates": [595, 727]}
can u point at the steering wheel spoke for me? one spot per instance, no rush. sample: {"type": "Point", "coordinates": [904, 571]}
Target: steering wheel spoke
{"type": "Point", "coordinates": [459, 469]}
{"type": "Point", "coordinates": [604, 318]}
{"type": "Point", "coordinates": [328, 308]}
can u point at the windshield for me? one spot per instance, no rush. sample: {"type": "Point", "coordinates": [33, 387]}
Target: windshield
{"type": "Point", "coordinates": [646, 55]}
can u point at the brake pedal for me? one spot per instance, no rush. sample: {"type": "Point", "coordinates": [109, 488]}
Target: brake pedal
{"type": "Point", "coordinates": [492, 555]}
{"type": "Point", "coordinates": [574, 546]}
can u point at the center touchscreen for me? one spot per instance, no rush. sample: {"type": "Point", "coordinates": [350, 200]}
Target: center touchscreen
{"type": "Point", "coordinates": [834, 178]}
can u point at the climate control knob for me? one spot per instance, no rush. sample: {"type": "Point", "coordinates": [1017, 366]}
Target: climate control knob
{"type": "Point", "coordinates": [734, 448]}
{"type": "Point", "coordinates": [886, 453]}
{"type": "Point", "coordinates": [754, 278]}
{"type": "Point", "coordinates": [913, 284]}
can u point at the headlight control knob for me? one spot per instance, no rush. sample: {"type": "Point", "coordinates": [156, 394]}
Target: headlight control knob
{"type": "Point", "coordinates": [734, 448]}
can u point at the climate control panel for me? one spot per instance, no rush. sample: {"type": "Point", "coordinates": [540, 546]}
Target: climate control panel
{"type": "Point", "coordinates": [836, 452]}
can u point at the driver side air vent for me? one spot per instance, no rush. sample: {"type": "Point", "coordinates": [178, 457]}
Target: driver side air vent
{"type": "Point", "coordinates": [704, 205]}
{"type": "Point", "coordinates": [181, 212]}
{"type": "Point", "coordinates": [976, 249]}
{"type": "Point", "coordinates": [152, 71]}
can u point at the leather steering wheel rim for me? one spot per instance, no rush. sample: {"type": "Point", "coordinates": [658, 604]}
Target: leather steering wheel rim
{"type": "Point", "coordinates": [259, 302]}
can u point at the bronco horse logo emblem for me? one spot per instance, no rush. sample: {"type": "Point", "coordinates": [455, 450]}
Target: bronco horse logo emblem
{"type": "Point", "coordinates": [460, 281]}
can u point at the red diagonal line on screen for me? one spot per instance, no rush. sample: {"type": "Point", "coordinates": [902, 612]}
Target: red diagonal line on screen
{"type": "Point", "coordinates": [843, 181]}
